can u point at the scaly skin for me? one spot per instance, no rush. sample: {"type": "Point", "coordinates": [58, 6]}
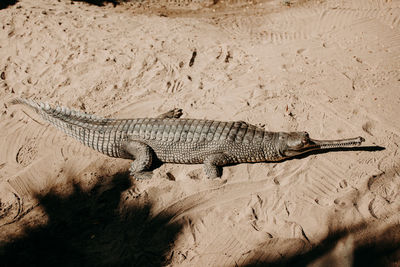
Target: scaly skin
{"type": "Point", "coordinates": [188, 141]}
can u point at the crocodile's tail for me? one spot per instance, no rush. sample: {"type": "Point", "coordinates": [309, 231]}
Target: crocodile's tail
{"type": "Point", "coordinates": [73, 116]}
{"type": "Point", "coordinates": [90, 130]}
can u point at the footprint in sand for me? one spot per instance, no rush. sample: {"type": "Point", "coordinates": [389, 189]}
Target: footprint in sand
{"type": "Point", "coordinates": [10, 205]}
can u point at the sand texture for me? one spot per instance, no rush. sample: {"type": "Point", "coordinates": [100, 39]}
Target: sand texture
{"type": "Point", "coordinates": [331, 68]}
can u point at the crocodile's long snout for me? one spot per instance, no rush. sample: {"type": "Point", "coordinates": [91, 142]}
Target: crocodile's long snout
{"type": "Point", "coordinates": [351, 142]}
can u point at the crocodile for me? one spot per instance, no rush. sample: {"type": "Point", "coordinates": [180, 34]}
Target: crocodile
{"type": "Point", "coordinates": [172, 139]}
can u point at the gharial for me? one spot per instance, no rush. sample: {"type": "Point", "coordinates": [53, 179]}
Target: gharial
{"type": "Point", "coordinates": [175, 140]}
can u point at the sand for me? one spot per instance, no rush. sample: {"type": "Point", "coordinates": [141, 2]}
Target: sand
{"type": "Point", "coordinates": [331, 68]}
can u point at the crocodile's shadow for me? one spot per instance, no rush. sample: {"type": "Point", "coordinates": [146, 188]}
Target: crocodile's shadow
{"type": "Point", "coordinates": [301, 156]}
{"type": "Point", "coordinates": [94, 229]}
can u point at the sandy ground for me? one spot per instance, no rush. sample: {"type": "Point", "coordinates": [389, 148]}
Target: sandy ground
{"type": "Point", "coordinates": [330, 67]}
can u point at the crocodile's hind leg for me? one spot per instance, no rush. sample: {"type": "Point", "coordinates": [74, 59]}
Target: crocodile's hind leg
{"type": "Point", "coordinates": [175, 113]}
{"type": "Point", "coordinates": [212, 165]}
{"type": "Point", "coordinates": [142, 156]}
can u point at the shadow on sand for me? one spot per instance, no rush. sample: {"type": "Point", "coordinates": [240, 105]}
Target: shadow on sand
{"type": "Point", "coordinates": [100, 2]}
{"type": "Point", "coordinates": [7, 3]}
{"type": "Point", "coordinates": [92, 229]}
{"type": "Point", "coordinates": [370, 245]}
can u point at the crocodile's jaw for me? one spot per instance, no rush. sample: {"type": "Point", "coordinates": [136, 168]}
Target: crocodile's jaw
{"type": "Point", "coordinates": [351, 142]}
{"type": "Point", "coordinates": [299, 143]}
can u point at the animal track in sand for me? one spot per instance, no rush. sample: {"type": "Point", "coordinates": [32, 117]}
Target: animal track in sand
{"type": "Point", "coordinates": [284, 27]}
{"type": "Point", "coordinates": [323, 183]}
{"type": "Point", "coordinates": [9, 212]}
{"type": "Point", "coordinates": [10, 206]}
{"type": "Point", "coordinates": [174, 86]}
{"type": "Point", "coordinates": [385, 187]}
{"type": "Point", "coordinates": [27, 153]}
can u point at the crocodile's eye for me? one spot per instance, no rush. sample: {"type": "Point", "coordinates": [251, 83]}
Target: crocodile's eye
{"type": "Point", "coordinates": [306, 138]}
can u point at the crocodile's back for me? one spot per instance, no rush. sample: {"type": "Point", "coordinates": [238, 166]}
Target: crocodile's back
{"type": "Point", "coordinates": [192, 140]}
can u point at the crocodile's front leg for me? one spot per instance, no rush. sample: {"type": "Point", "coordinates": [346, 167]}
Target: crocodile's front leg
{"type": "Point", "coordinates": [142, 156]}
{"type": "Point", "coordinates": [213, 163]}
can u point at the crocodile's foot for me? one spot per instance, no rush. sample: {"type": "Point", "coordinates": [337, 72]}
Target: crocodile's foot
{"type": "Point", "coordinates": [175, 113]}
{"type": "Point", "coordinates": [144, 175]}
